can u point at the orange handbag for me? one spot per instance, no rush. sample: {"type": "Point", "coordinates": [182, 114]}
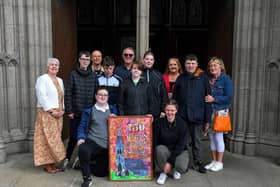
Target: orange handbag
{"type": "Point", "coordinates": [221, 122]}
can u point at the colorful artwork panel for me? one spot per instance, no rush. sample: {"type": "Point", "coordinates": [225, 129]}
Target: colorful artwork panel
{"type": "Point", "coordinates": [130, 148]}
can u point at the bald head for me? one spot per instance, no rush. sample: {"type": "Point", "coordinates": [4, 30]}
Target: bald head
{"type": "Point", "coordinates": [96, 57]}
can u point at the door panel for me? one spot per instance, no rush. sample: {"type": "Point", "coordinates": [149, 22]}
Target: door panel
{"type": "Point", "coordinates": [176, 29]}
{"type": "Point", "coordinates": [220, 37]}
{"type": "Point", "coordinates": [64, 35]}
{"type": "Point", "coordinates": [191, 26]}
{"type": "Point", "coordinates": [64, 41]}
{"type": "Point", "coordinates": [109, 31]}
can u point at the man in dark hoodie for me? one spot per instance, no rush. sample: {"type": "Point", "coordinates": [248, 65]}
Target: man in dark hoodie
{"type": "Point", "coordinates": [155, 79]}
{"type": "Point", "coordinates": [79, 94]}
{"type": "Point", "coordinates": [190, 90]}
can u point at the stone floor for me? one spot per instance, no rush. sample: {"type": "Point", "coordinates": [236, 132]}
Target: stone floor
{"type": "Point", "coordinates": [239, 170]}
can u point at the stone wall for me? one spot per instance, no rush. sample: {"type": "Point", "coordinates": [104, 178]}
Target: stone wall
{"type": "Point", "coordinates": [25, 44]}
{"type": "Point", "coordinates": [256, 78]}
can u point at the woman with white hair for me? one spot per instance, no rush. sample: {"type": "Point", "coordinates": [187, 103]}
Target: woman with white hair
{"type": "Point", "coordinates": [48, 145]}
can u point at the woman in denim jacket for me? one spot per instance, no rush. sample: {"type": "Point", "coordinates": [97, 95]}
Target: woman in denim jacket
{"type": "Point", "coordinates": [221, 96]}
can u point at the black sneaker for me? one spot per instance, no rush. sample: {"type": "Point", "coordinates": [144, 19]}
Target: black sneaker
{"type": "Point", "coordinates": [87, 182]}
{"type": "Point", "coordinates": [199, 167]}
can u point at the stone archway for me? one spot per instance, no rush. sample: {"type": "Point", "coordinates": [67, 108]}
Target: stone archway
{"type": "Point", "coordinates": [27, 37]}
{"type": "Point", "coordinates": [254, 33]}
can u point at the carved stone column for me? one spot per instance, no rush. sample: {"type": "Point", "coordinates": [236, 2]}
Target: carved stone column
{"type": "Point", "coordinates": [142, 27]}
{"type": "Point", "coordinates": [2, 112]}
{"type": "Point", "coordinates": [252, 26]}
{"type": "Point", "coordinates": [25, 44]}
{"type": "Point", "coordinates": [39, 35]}
{"type": "Point", "coordinates": [3, 154]}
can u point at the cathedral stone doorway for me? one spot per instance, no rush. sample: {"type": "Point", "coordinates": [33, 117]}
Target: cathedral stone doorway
{"type": "Point", "coordinates": [177, 27]}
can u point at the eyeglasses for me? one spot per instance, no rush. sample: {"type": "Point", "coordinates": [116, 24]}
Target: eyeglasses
{"type": "Point", "coordinates": [128, 55]}
{"type": "Point", "coordinates": [103, 95]}
{"type": "Point", "coordinates": [84, 59]}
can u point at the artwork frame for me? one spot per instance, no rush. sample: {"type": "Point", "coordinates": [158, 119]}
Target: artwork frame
{"type": "Point", "coordinates": [130, 148]}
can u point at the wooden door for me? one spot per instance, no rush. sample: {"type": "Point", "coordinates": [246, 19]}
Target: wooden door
{"type": "Point", "coordinates": [108, 25]}
{"type": "Point", "coordinates": [64, 35]}
{"type": "Point", "coordinates": [220, 37]}
{"type": "Point", "coordinates": [200, 27]}
{"type": "Point", "coordinates": [64, 41]}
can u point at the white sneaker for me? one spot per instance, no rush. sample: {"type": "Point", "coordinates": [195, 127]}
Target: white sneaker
{"type": "Point", "coordinates": [76, 163]}
{"type": "Point", "coordinates": [176, 175]}
{"type": "Point", "coordinates": [65, 164]}
{"type": "Point", "coordinates": [162, 178]}
{"type": "Point", "coordinates": [208, 166]}
{"type": "Point", "coordinates": [218, 166]}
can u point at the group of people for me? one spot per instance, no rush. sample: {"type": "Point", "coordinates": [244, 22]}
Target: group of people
{"type": "Point", "coordinates": [182, 105]}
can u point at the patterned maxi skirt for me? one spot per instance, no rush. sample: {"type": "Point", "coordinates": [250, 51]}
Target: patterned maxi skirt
{"type": "Point", "coordinates": [48, 145]}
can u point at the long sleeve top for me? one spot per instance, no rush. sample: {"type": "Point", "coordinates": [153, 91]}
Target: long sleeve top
{"type": "Point", "coordinates": [135, 99]}
{"type": "Point", "coordinates": [46, 92]}
{"type": "Point", "coordinates": [80, 90]}
{"type": "Point", "coordinates": [159, 93]}
{"type": "Point", "coordinates": [222, 91]}
{"type": "Point", "coordinates": [189, 92]}
{"type": "Point", "coordinates": [172, 135]}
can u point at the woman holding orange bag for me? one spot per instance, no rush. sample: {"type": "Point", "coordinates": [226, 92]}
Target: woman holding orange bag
{"type": "Point", "coordinates": [221, 96]}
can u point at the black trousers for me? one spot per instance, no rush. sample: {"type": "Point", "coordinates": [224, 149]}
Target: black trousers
{"type": "Point", "coordinates": [87, 151]}
{"type": "Point", "coordinates": [73, 130]}
{"type": "Point", "coordinates": [194, 138]}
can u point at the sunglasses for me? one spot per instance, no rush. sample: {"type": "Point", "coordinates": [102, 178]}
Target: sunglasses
{"type": "Point", "coordinates": [128, 55]}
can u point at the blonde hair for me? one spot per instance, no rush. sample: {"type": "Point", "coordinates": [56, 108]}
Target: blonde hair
{"type": "Point", "coordinates": [178, 64]}
{"type": "Point", "coordinates": [218, 61]}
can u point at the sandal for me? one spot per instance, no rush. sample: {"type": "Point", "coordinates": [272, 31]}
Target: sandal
{"type": "Point", "coordinates": [48, 168]}
{"type": "Point", "coordinates": [54, 167]}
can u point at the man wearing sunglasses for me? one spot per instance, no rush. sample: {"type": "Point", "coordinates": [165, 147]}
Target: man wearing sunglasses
{"type": "Point", "coordinates": [123, 70]}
